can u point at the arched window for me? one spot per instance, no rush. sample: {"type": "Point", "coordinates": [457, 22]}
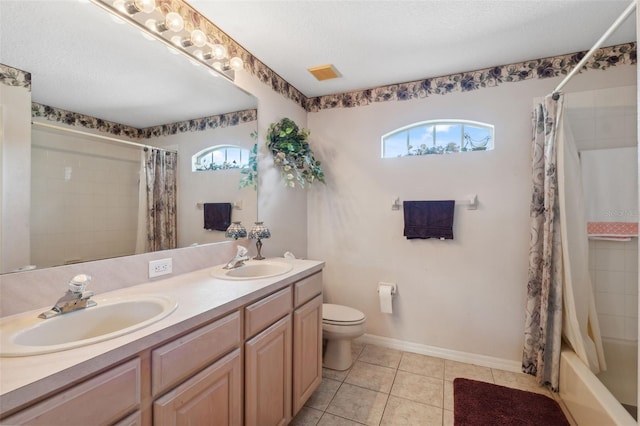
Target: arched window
{"type": "Point", "coordinates": [438, 137]}
{"type": "Point", "coordinates": [220, 157]}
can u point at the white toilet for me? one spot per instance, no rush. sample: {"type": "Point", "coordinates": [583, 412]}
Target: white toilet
{"type": "Point", "coordinates": [340, 325]}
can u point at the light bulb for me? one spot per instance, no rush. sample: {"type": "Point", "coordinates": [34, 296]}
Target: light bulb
{"type": "Point", "coordinates": [119, 5]}
{"type": "Point", "coordinates": [217, 66]}
{"type": "Point", "coordinates": [152, 24]}
{"type": "Point", "coordinates": [146, 6]}
{"type": "Point", "coordinates": [198, 38]}
{"type": "Point", "coordinates": [219, 51]}
{"type": "Point", "coordinates": [135, 6]}
{"type": "Point", "coordinates": [177, 40]}
{"type": "Point", "coordinates": [198, 54]}
{"type": "Point", "coordinates": [174, 22]}
{"type": "Point", "coordinates": [236, 63]}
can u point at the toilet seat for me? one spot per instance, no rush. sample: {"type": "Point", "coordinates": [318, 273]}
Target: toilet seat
{"type": "Point", "coordinates": [341, 315]}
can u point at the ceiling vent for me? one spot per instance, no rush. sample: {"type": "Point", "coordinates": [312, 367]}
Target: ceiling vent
{"type": "Point", "coordinates": [324, 72]}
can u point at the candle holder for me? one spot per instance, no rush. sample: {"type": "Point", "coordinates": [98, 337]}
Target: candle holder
{"type": "Point", "coordinates": [259, 232]}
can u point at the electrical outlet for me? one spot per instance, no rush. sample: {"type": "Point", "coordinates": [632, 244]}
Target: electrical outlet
{"type": "Point", "coordinates": [160, 267]}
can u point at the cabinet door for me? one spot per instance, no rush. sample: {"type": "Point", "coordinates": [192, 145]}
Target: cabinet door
{"type": "Point", "coordinates": [211, 397]}
{"type": "Point", "coordinates": [268, 376]}
{"type": "Point", "coordinates": [307, 351]}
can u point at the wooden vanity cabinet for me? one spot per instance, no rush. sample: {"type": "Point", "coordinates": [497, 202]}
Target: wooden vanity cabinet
{"type": "Point", "coordinates": [213, 396]}
{"type": "Point", "coordinates": [307, 339]}
{"type": "Point", "coordinates": [215, 391]}
{"type": "Point", "coordinates": [268, 360]}
{"type": "Point", "coordinates": [255, 366]}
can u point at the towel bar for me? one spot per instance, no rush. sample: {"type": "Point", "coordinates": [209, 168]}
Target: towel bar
{"type": "Point", "coordinates": [471, 202]}
{"type": "Point", "coordinates": [235, 205]}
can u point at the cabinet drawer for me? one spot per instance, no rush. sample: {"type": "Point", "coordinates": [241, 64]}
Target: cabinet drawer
{"type": "Point", "coordinates": [103, 399]}
{"type": "Point", "coordinates": [262, 314]}
{"type": "Point", "coordinates": [307, 288]}
{"type": "Point", "coordinates": [181, 358]}
{"type": "Point", "coordinates": [212, 397]}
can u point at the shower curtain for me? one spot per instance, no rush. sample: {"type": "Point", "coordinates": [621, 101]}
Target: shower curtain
{"type": "Point", "coordinates": [157, 219]}
{"type": "Point", "coordinates": [560, 299]}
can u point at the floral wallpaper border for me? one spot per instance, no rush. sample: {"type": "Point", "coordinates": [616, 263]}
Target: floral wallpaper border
{"type": "Point", "coordinates": [10, 76]}
{"type": "Point", "coordinates": [489, 77]}
{"type": "Point", "coordinates": [462, 82]}
{"type": "Point", "coordinates": [195, 125]}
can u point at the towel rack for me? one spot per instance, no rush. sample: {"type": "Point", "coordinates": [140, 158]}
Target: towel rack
{"type": "Point", "coordinates": [237, 205]}
{"type": "Point", "coordinates": [471, 202]}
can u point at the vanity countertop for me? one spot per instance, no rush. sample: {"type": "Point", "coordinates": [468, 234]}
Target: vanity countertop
{"type": "Point", "coordinates": [200, 298]}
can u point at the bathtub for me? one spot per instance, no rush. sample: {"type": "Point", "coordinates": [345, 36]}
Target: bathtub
{"type": "Point", "coordinates": [622, 370]}
{"type": "Point", "coordinates": [586, 398]}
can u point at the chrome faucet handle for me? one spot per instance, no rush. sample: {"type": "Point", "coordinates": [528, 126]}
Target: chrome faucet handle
{"type": "Point", "coordinates": [79, 283]}
{"type": "Point", "coordinates": [73, 299]}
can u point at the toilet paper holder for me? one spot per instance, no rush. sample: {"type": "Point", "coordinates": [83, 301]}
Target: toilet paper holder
{"type": "Point", "coordinates": [393, 286]}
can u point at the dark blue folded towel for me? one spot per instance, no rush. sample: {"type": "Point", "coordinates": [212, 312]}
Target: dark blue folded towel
{"type": "Point", "coordinates": [217, 216]}
{"type": "Point", "coordinates": [428, 219]}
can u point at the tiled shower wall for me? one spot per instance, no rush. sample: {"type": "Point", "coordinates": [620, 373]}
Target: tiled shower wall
{"type": "Point", "coordinates": [84, 199]}
{"type": "Point", "coordinates": [607, 119]}
{"type": "Point", "coordinates": [614, 274]}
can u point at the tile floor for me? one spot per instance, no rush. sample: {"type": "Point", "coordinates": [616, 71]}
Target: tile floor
{"type": "Point", "coordinates": [391, 387]}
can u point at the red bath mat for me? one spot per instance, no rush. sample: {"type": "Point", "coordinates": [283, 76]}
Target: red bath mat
{"type": "Point", "coordinates": [485, 404]}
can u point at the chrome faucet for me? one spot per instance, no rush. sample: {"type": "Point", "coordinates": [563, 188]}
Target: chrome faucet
{"type": "Point", "coordinates": [75, 298]}
{"type": "Point", "coordinates": [239, 259]}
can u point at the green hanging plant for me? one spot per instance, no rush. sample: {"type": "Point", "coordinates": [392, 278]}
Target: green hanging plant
{"type": "Point", "coordinates": [292, 153]}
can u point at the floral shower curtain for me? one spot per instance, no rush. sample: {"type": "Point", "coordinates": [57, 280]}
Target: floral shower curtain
{"type": "Point", "coordinates": [160, 200]}
{"type": "Point", "coordinates": [543, 327]}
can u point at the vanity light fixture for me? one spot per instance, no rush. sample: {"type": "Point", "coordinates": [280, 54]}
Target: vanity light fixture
{"type": "Point", "coordinates": [135, 6]}
{"type": "Point", "coordinates": [235, 231]}
{"type": "Point", "coordinates": [219, 51]}
{"type": "Point", "coordinates": [197, 38]}
{"type": "Point", "coordinates": [259, 232]}
{"type": "Point", "coordinates": [172, 22]}
{"type": "Point", "coordinates": [171, 29]}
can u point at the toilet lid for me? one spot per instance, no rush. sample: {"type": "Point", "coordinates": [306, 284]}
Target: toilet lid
{"type": "Point", "coordinates": [340, 313]}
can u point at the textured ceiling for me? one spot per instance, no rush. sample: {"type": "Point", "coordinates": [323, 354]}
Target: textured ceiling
{"type": "Point", "coordinates": [374, 43]}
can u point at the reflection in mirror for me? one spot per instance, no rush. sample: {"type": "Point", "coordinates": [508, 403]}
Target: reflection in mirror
{"type": "Point", "coordinates": [108, 84]}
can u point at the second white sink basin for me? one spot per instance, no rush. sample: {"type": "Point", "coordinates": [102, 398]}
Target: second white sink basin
{"type": "Point", "coordinates": [30, 335]}
{"type": "Point", "coordinates": [253, 270]}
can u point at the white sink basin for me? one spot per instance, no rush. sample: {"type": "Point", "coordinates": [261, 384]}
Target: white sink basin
{"type": "Point", "coordinates": [253, 270]}
{"type": "Point", "coordinates": [30, 335]}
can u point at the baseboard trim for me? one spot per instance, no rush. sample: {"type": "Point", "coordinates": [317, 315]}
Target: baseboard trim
{"type": "Point", "coordinates": [469, 358]}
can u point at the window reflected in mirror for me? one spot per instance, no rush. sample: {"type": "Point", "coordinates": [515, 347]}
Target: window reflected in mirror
{"type": "Point", "coordinates": [220, 157]}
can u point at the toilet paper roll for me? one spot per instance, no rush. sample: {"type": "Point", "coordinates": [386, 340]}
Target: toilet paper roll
{"type": "Point", "coordinates": [384, 293]}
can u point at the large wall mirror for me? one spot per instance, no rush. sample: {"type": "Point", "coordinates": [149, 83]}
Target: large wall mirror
{"type": "Point", "coordinates": [84, 189]}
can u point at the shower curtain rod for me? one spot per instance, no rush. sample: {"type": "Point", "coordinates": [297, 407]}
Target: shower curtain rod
{"type": "Point", "coordinates": [605, 36]}
{"type": "Point", "coordinates": [108, 138]}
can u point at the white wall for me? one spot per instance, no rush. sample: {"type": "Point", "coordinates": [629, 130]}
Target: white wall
{"type": "Point", "coordinates": [463, 295]}
{"type": "Point", "coordinates": [283, 210]}
{"type": "Point", "coordinates": [217, 186]}
{"type": "Point", "coordinates": [15, 107]}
